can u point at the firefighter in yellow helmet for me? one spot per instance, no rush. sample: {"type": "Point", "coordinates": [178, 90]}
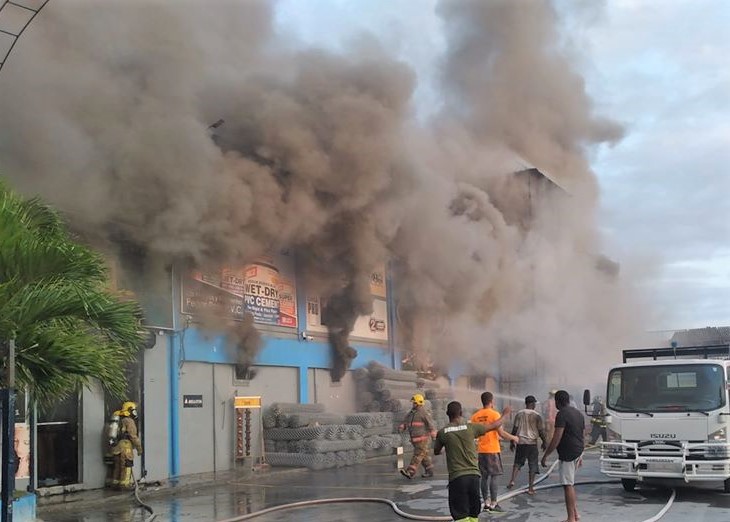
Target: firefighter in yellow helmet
{"type": "Point", "coordinates": [421, 429]}
{"type": "Point", "coordinates": [128, 440]}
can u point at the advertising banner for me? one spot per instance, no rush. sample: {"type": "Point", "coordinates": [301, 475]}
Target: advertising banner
{"type": "Point", "coordinates": [377, 282]}
{"type": "Point", "coordinates": [375, 325]}
{"type": "Point", "coordinates": [372, 327]}
{"type": "Point", "coordinates": [266, 289]}
{"type": "Point", "coordinates": [22, 449]}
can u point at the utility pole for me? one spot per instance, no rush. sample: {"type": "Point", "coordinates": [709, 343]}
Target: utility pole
{"type": "Point", "coordinates": [8, 436]}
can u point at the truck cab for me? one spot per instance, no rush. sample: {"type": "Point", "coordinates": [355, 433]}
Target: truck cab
{"type": "Point", "coordinates": [668, 416]}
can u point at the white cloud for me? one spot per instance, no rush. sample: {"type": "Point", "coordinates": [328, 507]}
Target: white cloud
{"type": "Point", "coordinates": [660, 66]}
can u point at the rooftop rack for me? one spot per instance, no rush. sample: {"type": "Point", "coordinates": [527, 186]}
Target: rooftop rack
{"type": "Point", "coordinates": [699, 352]}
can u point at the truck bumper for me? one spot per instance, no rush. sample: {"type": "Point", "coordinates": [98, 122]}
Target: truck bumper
{"type": "Point", "coordinates": [688, 462]}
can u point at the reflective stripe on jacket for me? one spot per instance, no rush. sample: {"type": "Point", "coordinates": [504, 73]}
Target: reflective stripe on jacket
{"type": "Point", "coordinates": [419, 425]}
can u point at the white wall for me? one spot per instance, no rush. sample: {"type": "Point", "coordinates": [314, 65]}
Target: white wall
{"type": "Point", "coordinates": [91, 429]}
{"type": "Point", "coordinates": [196, 424]}
{"type": "Point", "coordinates": [207, 434]}
{"type": "Point", "coordinates": [337, 397]}
{"type": "Point", "coordinates": [156, 410]}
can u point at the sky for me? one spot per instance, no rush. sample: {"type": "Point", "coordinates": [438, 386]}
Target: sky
{"type": "Point", "coordinates": [660, 68]}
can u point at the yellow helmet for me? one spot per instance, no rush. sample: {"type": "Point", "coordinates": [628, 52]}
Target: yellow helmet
{"type": "Point", "coordinates": [129, 408]}
{"type": "Point", "coordinates": [418, 399]}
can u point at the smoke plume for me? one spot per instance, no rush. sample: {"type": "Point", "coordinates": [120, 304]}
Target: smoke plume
{"type": "Point", "coordinates": [108, 116]}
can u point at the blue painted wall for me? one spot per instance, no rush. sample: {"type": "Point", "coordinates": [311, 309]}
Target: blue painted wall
{"type": "Point", "coordinates": [24, 508]}
{"type": "Point", "coordinates": [277, 351]}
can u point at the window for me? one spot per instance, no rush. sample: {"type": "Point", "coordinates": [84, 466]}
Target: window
{"type": "Point", "coordinates": [680, 387]}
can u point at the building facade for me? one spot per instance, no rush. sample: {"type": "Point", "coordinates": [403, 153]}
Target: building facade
{"type": "Point", "coordinates": [187, 376]}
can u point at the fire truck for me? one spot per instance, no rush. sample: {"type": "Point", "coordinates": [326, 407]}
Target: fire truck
{"type": "Point", "coordinates": [668, 416]}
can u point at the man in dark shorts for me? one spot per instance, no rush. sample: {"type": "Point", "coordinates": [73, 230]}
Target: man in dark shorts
{"type": "Point", "coordinates": [568, 439]}
{"type": "Point", "coordinates": [490, 452]}
{"type": "Point", "coordinates": [457, 438]}
{"type": "Point", "coordinates": [528, 426]}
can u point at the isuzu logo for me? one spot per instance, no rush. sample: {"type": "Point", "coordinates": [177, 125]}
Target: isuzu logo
{"type": "Point", "coordinates": [663, 435]}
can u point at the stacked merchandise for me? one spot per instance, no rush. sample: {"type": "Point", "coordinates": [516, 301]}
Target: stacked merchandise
{"type": "Point", "coordinates": [378, 432]}
{"type": "Point", "coordinates": [386, 390]}
{"type": "Point", "coordinates": [306, 435]}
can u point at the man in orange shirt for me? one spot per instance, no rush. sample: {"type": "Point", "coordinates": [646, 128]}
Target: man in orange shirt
{"type": "Point", "coordinates": [490, 452]}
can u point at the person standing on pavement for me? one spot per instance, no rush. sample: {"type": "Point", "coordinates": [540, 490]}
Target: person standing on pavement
{"type": "Point", "coordinates": [123, 450]}
{"type": "Point", "coordinates": [568, 439]}
{"type": "Point", "coordinates": [457, 438]}
{"type": "Point", "coordinates": [528, 427]}
{"type": "Point", "coordinates": [490, 451]}
{"type": "Point", "coordinates": [549, 411]}
{"type": "Point", "coordinates": [598, 422]}
{"type": "Point", "coordinates": [421, 430]}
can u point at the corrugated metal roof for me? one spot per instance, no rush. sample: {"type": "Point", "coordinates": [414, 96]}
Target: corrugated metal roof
{"type": "Point", "coordinates": [702, 336]}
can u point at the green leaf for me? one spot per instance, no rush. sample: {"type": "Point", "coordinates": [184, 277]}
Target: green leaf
{"type": "Point", "coordinates": [69, 329]}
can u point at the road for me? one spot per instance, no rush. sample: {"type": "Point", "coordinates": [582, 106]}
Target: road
{"type": "Point", "coordinates": [377, 478]}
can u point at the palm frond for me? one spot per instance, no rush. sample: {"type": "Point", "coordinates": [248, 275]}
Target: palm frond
{"type": "Point", "coordinates": [69, 329]}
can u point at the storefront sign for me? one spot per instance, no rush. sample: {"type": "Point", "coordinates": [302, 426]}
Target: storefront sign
{"type": "Point", "coordinates": [372, 327]}
{"type": "Point", "coordinates": [261, 293]}
{"type": "Point", "coordinates": [377, 282]}
{"type": "Point", "coordinates": [192, 401]}
{"type": "Point", "coordinates": [247, 402]}
{"type": "Point", "coordinates": [375, 325]}
{"type": "Point", "coordinates": [265, 289]}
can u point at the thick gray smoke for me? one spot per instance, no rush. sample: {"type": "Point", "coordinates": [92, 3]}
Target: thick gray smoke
{"type": "Point", "coordinates": [107, 115]}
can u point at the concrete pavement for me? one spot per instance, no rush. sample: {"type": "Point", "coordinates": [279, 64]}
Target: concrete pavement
{"type": "Point", "coordinates": [230, 495]}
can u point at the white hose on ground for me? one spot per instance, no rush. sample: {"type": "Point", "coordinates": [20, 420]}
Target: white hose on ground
{"type": "Point", "coordinates": [144, 506]}
{"type": "Point", "coordinates": [430, 518]}
{"type": "Point", "coordinates": [664, 509]}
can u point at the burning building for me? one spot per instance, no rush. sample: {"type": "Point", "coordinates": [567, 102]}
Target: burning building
{"type": "Point", "coordinates": [323, 224]}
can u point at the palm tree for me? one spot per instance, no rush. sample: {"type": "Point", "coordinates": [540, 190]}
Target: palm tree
{"type": "Point", "coordinates": [69, 328]}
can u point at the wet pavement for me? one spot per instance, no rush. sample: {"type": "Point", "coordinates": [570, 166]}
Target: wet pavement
{"type": "Point", "coordinates": [231, 496]}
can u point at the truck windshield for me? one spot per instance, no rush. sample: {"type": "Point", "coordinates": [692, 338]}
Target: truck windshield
{"type": "Point", "coordinates": [667, 388]}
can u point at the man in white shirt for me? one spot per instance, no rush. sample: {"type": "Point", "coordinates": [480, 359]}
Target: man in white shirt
{"type": "Point", "coordinates": [528, 426]}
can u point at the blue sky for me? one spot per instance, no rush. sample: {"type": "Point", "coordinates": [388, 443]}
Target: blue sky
{"type": "Point", "coordinates": [660, 67]}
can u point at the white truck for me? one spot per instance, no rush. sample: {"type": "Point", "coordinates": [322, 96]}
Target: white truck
{"type": "Point", "coordinates": [668, 416]}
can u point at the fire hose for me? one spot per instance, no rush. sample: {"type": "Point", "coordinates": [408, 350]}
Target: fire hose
{"type": "Point", "coordinates": [432, 518]}
{"type": "Point", "coordinates": [144, 506]}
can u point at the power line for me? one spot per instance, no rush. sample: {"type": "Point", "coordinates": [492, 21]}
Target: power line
{"type": "Point", "coordinates": [15, 36]}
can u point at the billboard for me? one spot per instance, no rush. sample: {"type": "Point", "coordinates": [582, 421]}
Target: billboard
{"type": "Point", "coordinates": [373, 327]}
{"type": "Point", "coordinates": [22, 450]}
{"type": "Point", "coordinates": [265, 288]}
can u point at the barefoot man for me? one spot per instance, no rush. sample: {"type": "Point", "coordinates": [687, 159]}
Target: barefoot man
{"type": "Point", "coordinates": [529, 427]}
{"type": "Point", "coordinates": [568, 439]}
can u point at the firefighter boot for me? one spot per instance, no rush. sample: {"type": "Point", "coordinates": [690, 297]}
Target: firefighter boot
{"type": "Point", "coordinates": [116, 473]}
{"type": "Point", "coordinates": [126, 480]}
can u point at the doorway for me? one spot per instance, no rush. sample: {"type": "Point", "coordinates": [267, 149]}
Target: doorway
{"type": "Point", "coordinates": [58, 443]}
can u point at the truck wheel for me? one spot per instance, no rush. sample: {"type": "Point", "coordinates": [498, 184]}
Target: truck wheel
{"type": "Point", "coordinates": [630, 484]}
{"type": "Point", "coordinates": [727, 485]}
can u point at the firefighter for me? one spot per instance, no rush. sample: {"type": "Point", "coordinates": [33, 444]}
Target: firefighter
{"type": "Point", "coordinates": [421, 429]}
{"type": "Point", "coordinates": [127, 441]}
{"type": "Point", "coordinates": [549, 412]}
{"type": "Point", "coordinates": [111, 437]}
{"type": "Point", "coordinates": [598, 421]}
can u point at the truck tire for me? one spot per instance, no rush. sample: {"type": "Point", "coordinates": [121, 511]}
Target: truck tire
{"type": "Point", "coordinates": [630, 484]}
{"type": "Point", "coordinates": [727, 485]}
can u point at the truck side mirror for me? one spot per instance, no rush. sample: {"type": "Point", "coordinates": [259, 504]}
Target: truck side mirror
{"type": "Point", "coordinates": [587, 397]}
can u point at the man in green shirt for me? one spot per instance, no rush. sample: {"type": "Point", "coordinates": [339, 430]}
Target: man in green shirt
{"type": "Point", "coordinates": [457, 438]}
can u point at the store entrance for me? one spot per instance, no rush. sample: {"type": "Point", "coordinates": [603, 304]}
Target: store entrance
{"type": "Point", "coordinates": [58, 443]}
